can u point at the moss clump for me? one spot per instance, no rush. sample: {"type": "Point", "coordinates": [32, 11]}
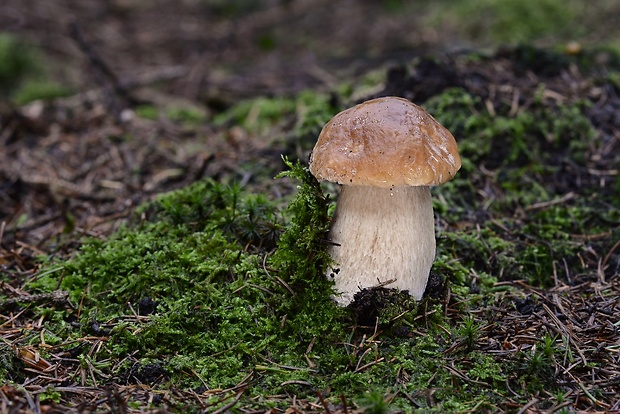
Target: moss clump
{"type": "Point", "coordinates": [532, 141]}
{"type": "Point", "coordinates": [302, 116]}
{"type": "Point", "coordinates": [22, 74]}
{"type": "Point", "coordinates": [302, 250]}
{"type": "Point", "coordinates": [16, 62]}
{"type": "Point", "coordinates": [39, 90]}
{"type": "Point", "coordinates": [220, 306]}
{"type": "Point", "coordinates": [8, 364]}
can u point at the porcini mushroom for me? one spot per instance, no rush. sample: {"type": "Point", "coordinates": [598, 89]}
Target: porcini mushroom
{"type": "Point", "coordinates": [386, 153]}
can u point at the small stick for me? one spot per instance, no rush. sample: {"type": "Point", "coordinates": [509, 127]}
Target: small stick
{"type": "Point", "coordinates": [101, 66]}
{"type": "Point", "coordinates": [323, 402]}
{"type": "Point", "coordinates": [344, 404]}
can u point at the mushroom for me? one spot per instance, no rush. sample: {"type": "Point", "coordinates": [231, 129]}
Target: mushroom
{"type": "Point", "coordinates": [385, 153]}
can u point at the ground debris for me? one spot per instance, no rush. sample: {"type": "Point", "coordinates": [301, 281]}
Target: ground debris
{"type": "Point", "coordinates": [572, 328]}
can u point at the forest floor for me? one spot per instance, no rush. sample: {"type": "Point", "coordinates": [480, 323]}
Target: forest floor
{"type": "Point", "coordinates": [528, 264]}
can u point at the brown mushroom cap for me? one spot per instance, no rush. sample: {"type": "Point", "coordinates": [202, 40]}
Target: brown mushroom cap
{"type": "Point", "coordinates": [385, 142]}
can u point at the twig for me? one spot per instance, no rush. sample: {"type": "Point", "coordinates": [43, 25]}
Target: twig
{"type": "Point", "coordinates": [545, 204]}
{"type": "Point", "coordinates": [2, 226]}
{"type": "Point", "coordinates": [102, 68]}
{"type": "Point", "coordinates": [383, 284]}
{"type": "Point", "coordinates": [57, 296]}
{"type": "Point", "coordinates": [344, 404]}
{"type": "Point", "coordinates": [564, 329]}
{"type": "Point", "coordinates": [607, 256]}
{"type": "Point", "coordinates": [370, 364]}
{"type": "Point", "coordinates": [323, 402]}
{"type": "Point", "coordinates": [278, 278]}
{"type": "Point", "coordinates": [230, 404]}
{"type": "Point", "coordinates": [527, 406]}
{"type": "Point", "coordinates": [33, 406]}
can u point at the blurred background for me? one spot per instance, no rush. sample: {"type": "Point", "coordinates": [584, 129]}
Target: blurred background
{"type": "Point", "coordinates": [216, 51]}
{"type": "Point", "coordinates": [105, 103]}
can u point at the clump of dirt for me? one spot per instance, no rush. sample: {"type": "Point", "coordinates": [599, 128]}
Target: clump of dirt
{"type": "Point", "coordinates": [149, 374]}
{"type": "Point", "coordinates": [369, 304]}
{"type": "Point", "coordinates": [147, 306]}
{"type": "Point", "coordinates": [429, 77]}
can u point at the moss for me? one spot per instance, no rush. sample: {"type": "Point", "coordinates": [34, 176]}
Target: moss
{"type": "Point", "coordinates": [510, 21]}
{"type": "Point", "coordinates": [296, 120]}
{"type": "Point", "coordinates": [257, 114]}
{"type": "Point", "coordinates": [302, 255]}
{"type": "Point", "coordinates": [518, 248]}
{"type": "Point", "coordinates": [482, 367]}
{"type": "Point", "coordinates": [23, 75]}
{"type": "Point", "coordinates": [7, 363]}
{"type": "Point", "coordinates": [17, 62]}
{"type": "Point", "coordinates": [530, 142]}
{"type": "Point", "coordinates": [35, 90]}
{"type": "Point", "coordinates": [147, 112]}
{"type": "Point", "coordinates": [228, 286]}
{"type": "Point", "coordinates": [189, 115]}
{"type": "Point", "coordinates": [220, 308]}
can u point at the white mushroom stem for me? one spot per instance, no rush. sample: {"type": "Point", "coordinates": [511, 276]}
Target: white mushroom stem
{"type": "Point", "coordinates": [382, 234]}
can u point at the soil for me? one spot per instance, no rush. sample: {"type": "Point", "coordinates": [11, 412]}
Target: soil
{"type": "Point", "coordinates": [78, 166]}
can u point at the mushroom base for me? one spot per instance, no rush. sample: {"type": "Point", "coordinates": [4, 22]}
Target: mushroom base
{"type": "Point", "coordinates": [382, 234]}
